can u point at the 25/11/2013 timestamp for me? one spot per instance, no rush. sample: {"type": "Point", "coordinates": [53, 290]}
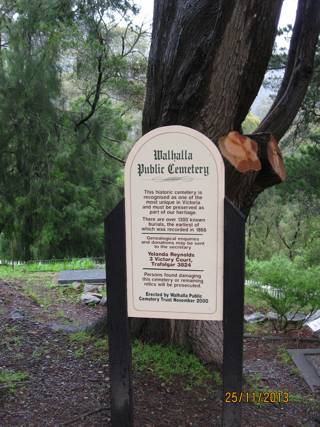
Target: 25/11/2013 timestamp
{"type": "Point", "coordinates": [256, 397]}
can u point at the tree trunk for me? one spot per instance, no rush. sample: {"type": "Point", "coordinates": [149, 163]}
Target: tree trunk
{"type": "Point", "coordinates": [207, 62]}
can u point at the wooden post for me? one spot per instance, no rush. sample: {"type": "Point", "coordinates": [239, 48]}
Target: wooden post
{"type": "Point", "coordinates": [118, 322]}
{"type": "Point", "coordinates": [233, 307]}
{"type": "Point", "coordinates": [117, 318]}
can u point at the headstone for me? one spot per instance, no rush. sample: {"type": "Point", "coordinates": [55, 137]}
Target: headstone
{"type": "Point", "coordinates": [307, 361]}
{"type": "Point", "coordinates": [174, 202]}
{"type": "Point", "coordinates": [296, 317]}
{"type": "Point", "coordinates": [97, 275]}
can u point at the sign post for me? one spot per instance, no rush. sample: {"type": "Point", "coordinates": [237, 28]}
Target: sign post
{"type": "Point", "coordinates": [233, 296]}
{"type": "Point", "coordinates": [118, 321]}
{"type": "Point", "coordinates": [174, 251]}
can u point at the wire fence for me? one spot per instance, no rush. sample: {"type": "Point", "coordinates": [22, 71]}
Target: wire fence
{"type": "Point", "coordinates": [274, 292]}
{"type": "Point", "coordinates": [63, 263]}
{"type": "Point", "coordinates": [50, 261]}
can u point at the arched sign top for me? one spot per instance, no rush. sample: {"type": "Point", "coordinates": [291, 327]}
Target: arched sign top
{"type": "Point", "coordinates": [174, 198]}
{"type": "Point", "coordinates": [167, 131]}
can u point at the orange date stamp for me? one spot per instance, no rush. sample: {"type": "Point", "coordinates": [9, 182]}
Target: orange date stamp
{"type": "Point", "coordinates": [272, 397]}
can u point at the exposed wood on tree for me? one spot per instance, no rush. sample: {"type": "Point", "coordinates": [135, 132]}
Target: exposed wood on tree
{"type": "Point", "coordinates": [254, 164]}
{"type": "Point", "coordinates": [272, 171]}
{"type": "Point", "coordinates": [241, 151]}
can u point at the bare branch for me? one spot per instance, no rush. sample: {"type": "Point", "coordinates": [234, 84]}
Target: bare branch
{"type": "Point", "coordinates": [112, 156]}
{"type": "Point", "coordinates": [298, 71]}
{"type": "Point", "coordinates": [96, 96]}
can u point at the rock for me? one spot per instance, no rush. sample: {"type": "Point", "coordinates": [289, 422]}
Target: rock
{"type": "Point", "coordinates": [296, 317]}
{"type": "Point", "coordinates": [17, 314]}
{"type": "Point", "coordinates": [271, 315]}
{"type": "Point", "coordinates": [103, 301]}
{"type": "Point", "coordinates": [254, 317]}
{"type": "Point", "coordinates": [58, 327]}
{"type": "Point", "coordinates": [90, 298]}
{"type": "Point", "coordinates": [314, 316]}
{"type": "Point", "coordinates": [313, 322]}
{"type": "Point", "coordinates": [91, 288]}
{"type": "Point", "coordinates": [76, 285]}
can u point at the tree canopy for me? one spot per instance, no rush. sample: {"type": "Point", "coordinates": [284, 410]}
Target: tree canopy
{"type": "Point", "coordinates": [71, 79]}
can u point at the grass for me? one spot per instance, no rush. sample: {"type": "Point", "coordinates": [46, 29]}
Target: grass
{"type": "Point", "coordinates": [80, 337]}
{"type": "Point", "coordinates": [9, 380]}
{"type": "Point", "coordinates": [254, 382]}
{"type": "Point", "coordinates": [38, 292]}
{"type": "Point", "coordinates": [252, 299]}
{"type": "Point", "coordinates": [285, 359]}
{"type": "Point", "coordinates": [101, 344]}
{"type": "Point", "coordinates": [79, 352]}
{"type": "Point", "coordinates": [165, 362]}
{"type": "Point", "coordinates": [82, 341]}
{"type": "Point", "coordinates": [40, 286]}
{"type": "Point", "coordinates": [256, 329]}
{"type": "Point", "coordinates": [283, 355]}
{"type": "Point", "coordinates": [11, 340]}
{"type": "Point", "coordinates": [310, 402]}
{"type": "Point", "coordinates": [11, 329]}
{"type": "Point", "coordinates": [39, 352]}
{"type": "Point", "coordinates": [19, 270]}
{"type": "Point", "coordinates": [44, 292]}
{"type": "Point", "coordinates": [169, 362]}
{"type": "Point", "coordinates": [217, 378]}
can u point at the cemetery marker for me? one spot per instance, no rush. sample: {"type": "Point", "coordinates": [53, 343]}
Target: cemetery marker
{"type": "Point", "coordinates": [164, 254]}
{"type": "Point", "coordinates": [174, 200]}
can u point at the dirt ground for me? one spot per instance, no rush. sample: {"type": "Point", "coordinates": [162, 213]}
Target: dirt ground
{"type": "Point", "coordinates": [67, 383]}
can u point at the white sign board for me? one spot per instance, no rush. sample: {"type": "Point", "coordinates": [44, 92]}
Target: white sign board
{"type": "Point", "coordinates": [174, 203]}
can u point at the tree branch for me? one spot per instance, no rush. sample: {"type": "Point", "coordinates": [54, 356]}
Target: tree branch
{"type": "Point", "coordinates": [94, 104]}
{"type": "Point", "coordinates": [298, 71]}
{"type": "Point", "coordinates": [201, 73]}
{"type": "Point", "coordinates": [112, 156]}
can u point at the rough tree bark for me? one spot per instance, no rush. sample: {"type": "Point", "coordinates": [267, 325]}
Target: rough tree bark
{"type": "Point", "coordinates": [207, 62]}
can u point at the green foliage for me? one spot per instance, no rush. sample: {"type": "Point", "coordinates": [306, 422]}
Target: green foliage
{"type": "Point", "coordinates": [79, 352]}
{"type": "Point", "coordinates": [250, 124]}
{"type": "Point", "coordinates": [286, 220]}
{"type": "Point", "coordinates": [65, 73]}
{"type": "Point", "coordinates": [300, 399]}
{"type": "Point", "coordinates": [303, 171]}
{"type": "Point", "coordinates": [283, 355]}
{"type": "Point", "coordinates": [10, 379]}
{"type": "Point", "coordinates": [309, 116]}
{"type": "Point", "coordinates": [101, 344]}
{"type": "Point", "coordinates": [82, 341]}
{"type": "Point", "coordinates": [252, 299]}
{"type": "Point", "coordinates": [166, 362]}
{"type": "Point", "coordinates": [290, 287]}
{"type": "Point", "coordinates": [82, 337]}
{"type": "Point", "coordinates": [52, 266]}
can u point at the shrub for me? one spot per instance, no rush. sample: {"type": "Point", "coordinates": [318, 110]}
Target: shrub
{"type": "Point", "coordinates": [285, 286]}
